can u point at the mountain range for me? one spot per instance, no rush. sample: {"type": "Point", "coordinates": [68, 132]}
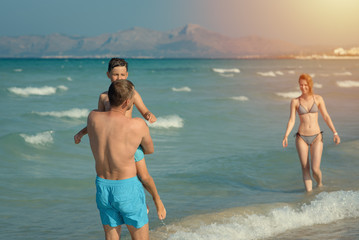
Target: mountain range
{"type": "Point", "coordinates": [190, 41]}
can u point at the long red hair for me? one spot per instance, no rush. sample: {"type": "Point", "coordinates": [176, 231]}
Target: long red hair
{"type": "Point", "coordinates": [309, 81]}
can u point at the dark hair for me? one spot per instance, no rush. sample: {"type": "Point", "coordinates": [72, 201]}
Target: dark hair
{"type": "Point", "coordinates": [116, 62]}
{"type": "Point", "coordinates": [119, 91]}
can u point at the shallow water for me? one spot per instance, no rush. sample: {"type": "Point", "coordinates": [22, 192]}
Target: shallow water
{"type": "Point", "coordinates": [218, 162]}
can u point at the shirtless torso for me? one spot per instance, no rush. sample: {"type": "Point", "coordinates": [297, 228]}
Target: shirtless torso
{"type": "Point", "coordinates": [114, 139]}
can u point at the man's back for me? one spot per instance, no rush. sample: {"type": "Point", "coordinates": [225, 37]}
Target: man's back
{"type": "Point", "coordinates": [114, 139]}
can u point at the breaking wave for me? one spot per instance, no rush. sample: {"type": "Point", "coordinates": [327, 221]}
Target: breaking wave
{"type": "Point", "coordinates": [42, 91]}
{"type": "Point", "coordinates": [240, 98]}
{"type": "Point", "coordinates": [226, 70]}
{"type": "Point", "coordinates": [39, 139]}
{"type": "Point", "coordinates": [171, 121]}
{"type": "Point", "coordinates": [72, 113]}
{"type": "Point", "coordinates": [267, 74]}
{"type": "Point", "coordinates": [348, 84]}
{"type": "Point", "coordinates": [326, 208]}
{"type": "Point", "coordinates": [317, 85]}
{"type": "Point", "coordinates": [343, 74]}
{"type": "Point", "coordinates": [182, 89]}
{"type": "Point", "coordinates": [288, 94]}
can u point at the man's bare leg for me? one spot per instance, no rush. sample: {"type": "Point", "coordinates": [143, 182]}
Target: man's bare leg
{"type": "Point", "coordinates": [139, 233]}
{"type": "Point", "coordinates": [112, 233]}
{"type": "Point", "coordinates": [303, 150]}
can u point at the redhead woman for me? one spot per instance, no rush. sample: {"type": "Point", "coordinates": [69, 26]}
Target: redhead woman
{"type": "Point", "coordinates": [309, 138]}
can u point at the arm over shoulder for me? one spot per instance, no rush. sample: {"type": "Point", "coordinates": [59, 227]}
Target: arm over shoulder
{"type": "Point", "coordinates": [139, 103]}
{"type": "Point", "coordinates": [141, 107]}
{"type": "Point", "coordinates": [101, 101]}
{"type": "Point", "coordinates": [146, 142]}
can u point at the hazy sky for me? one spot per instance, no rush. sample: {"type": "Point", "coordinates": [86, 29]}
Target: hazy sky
{"type": "Point", "coordinates": [324, 22]}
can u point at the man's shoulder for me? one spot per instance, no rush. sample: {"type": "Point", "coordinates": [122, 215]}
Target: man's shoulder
{"type": "Point", "coordinates": [94, 113]}
{"type": "Point", "coordinates": [138, 122]}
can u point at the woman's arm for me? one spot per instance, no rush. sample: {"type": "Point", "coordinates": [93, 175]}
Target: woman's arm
{"type": "Point", "coordinates": [327, 119]}
{"type": "Point", "coordinates": [291, 122]}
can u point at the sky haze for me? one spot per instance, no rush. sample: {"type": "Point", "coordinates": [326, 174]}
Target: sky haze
{"type": "Point", "coordinates": [305, 22]}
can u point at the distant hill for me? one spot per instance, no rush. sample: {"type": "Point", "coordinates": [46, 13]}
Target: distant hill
{"type": "Point", "coordinates": [192, 41]}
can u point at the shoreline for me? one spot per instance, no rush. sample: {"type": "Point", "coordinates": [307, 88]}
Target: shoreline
{"type": "Point", "coordinates": [243, 222]}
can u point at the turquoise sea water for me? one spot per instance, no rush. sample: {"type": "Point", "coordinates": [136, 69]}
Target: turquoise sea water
{"type": "Point", "coordinates": [218, 164]}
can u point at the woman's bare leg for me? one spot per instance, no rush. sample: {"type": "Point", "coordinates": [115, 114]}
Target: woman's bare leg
{"type": "Point", "coordinates": [303, 150]}
{"type": "Point", "coordinates": [316, 151]}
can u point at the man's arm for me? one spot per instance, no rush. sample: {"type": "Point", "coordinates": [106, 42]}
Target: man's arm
{"type": "Point", "coordinates": [149, 185]}
{"type": "Point", "coordinates": [141, 107]}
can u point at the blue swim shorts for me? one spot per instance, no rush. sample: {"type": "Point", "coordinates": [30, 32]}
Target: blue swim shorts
{"type": "Point", "coordinates": [121, 202]}
{"type": "Point", "coordinates": [139, 155]}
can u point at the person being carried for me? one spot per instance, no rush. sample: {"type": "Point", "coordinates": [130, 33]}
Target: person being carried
{"type": "Point", "coordinates": [118, 70]}
{"type": "Point", "coordinates": [114, 138]}
{"type": "Point", "coordinates": [309, 136]}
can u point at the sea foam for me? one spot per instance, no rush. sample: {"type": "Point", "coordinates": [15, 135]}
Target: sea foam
{"type": "Point", "coordinates": [288, 94]}
{"type": "Point", "coordinates": [226, 70]}
{"type": "Point", "coordinates": [39, 139]}
{"type": "Point", "coordinates": [171, 121]}
{"type": "Point", "coordinates": [240, 98]}
{"type": "Point", "coordinates": [348, 84]}
{"type": "Point", "coordinates": [72, 113]}
{"type": "Point", "coordinates": [317, 85]}
{"type": "Point", "coordinates": [182, 89]}
{"type": "Point", "coordinates": [267, 74]}
{"type": "Point", "coordinates": [42, 91]}
{"type": "Point", "coordinates": [228, 75]}
{"type": "Point", "coordinates": [326, 208]}
{"type": "Point", "coordinates": [343, 74]}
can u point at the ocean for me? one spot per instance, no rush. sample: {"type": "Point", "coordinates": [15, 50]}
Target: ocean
{"type": "Point", "coordinates": [219, 164]}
